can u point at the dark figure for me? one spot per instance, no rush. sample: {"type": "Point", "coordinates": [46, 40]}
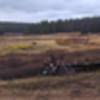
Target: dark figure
{"type": "Point", "coordinates": [55, 66]}
{"type": "Point", "coordinates": [50, 66]}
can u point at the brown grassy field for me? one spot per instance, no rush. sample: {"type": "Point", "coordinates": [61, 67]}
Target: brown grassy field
{"type": "Point", "coordinates": [21, 56]}
{"type": "Point", "coordinates": [38, 44]}
{"type": "Point", "coordinates": [84, 86]}
{"type": "Point", "coordinates": [24, 56]}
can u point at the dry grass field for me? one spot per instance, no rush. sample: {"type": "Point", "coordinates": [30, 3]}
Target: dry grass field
{"type": "Point", "coordinates": [84, 86]}
{"type": "Point", "coordinates": [38, 44]}
{"type": "Point", "coordinates": [30, 52]}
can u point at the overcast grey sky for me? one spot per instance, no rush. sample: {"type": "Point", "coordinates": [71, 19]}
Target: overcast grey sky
{"type": "Point", "coordinates": [38, 10]}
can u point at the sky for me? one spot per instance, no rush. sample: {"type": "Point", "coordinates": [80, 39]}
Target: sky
{"type": "Point", "coordinates": [39, 10]}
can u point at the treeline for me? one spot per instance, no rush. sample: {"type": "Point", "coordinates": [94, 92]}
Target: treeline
{"type": "Point", "coordinates": [13, 27]}
{"type": "Point", "coordinates": [85, 25]}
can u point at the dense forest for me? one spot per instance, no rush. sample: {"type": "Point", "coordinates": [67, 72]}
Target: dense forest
{"type": "Point", "coordinates": [84, 25]}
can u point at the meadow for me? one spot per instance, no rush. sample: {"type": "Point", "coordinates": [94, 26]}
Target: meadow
{"type": "Point", "coordinates": [42, 43]}
{"type": "Point", "coordinates": [22, 56]}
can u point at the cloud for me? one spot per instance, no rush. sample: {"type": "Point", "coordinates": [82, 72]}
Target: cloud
{"type": "Point", "coordinates": [38, 10]}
